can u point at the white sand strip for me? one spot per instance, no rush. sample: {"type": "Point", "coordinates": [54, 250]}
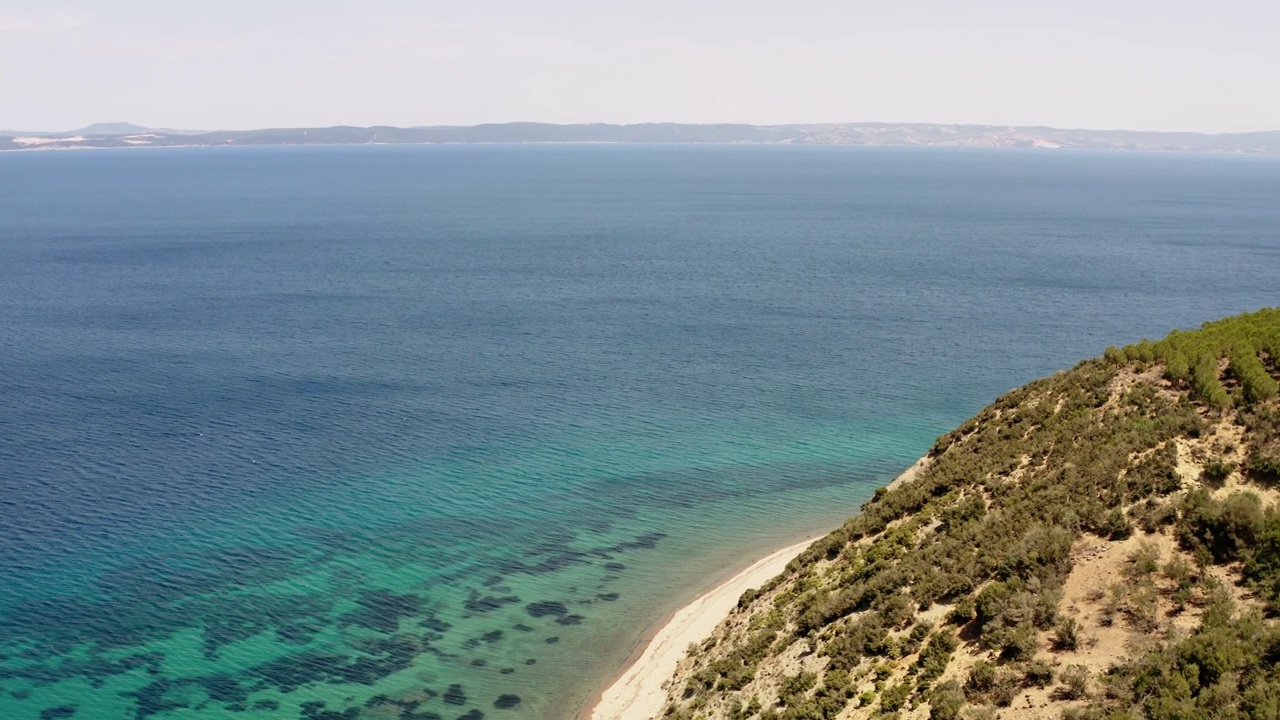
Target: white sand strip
{"type": "Point", "coordinates": [638, 694]}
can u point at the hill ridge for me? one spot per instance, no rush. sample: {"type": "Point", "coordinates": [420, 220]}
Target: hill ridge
{"type": "Point", "coordinates": [105, 135]}
{"type": "Point", "coordinates": [1101, 543]}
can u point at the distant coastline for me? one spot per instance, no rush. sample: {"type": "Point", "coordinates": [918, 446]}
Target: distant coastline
{"type": "Point", "coordinates": [124, 135]}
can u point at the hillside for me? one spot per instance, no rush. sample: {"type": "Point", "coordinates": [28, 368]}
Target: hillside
{"type": "Point", "coordinates": [1102, 543]}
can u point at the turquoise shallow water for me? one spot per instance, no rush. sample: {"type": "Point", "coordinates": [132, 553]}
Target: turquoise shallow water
{"type": "Point", "coordinates": [438, 432]}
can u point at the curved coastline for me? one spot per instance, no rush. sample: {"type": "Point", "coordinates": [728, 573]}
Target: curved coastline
{"type": "Point", "coordinates": [637, 691]}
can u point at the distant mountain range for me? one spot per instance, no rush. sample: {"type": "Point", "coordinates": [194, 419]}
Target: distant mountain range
{"type": "Point", "coordinates": [119, 135]}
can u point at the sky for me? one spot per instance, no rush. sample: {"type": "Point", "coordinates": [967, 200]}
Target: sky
{"type": "Point", "coordinates": [240, 64]}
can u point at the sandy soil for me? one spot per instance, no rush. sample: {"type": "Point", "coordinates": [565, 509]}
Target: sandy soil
{"type": "Point", "coordinates": [638, 693]}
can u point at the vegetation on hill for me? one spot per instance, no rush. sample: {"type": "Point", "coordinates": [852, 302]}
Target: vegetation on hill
{"type": "Point", "coordinates": [1101, 543]}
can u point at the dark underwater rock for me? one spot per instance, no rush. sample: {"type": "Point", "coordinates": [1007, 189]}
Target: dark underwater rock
{"type": "Point", "coordinates": [455, 695]}
{"type": "Point", "coordinates": [433, 623]}
{"type": "Point", "coordinates": [545, 608]}
{"type": "Point", "coordinates": [223, 688]}
{"type": "Point", "coordinates": [489, 603]}
{"type": "Point", "coordinates": [382, 610]}
{"type": "Point", "coordinates": [299, 634]}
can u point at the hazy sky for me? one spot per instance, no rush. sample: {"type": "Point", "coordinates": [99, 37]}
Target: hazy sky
{"type": "Point", "coordinates": [1171, 64]}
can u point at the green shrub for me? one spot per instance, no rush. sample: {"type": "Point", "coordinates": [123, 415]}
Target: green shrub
{"type": "Point", "coordinates": [946, 701]}
{"type": "Point", "coordinates": [1262, 437]}
{"type": "Point", "coordinates": [895, 697]}
{"type": "Point", "coordinates": [1112, 524]}
{"type": "Point", "coordinates": [1177, 569]}
{"type": "Point", "coordinates": [1223, 528]}
{"type": "Point", "coordinates": [936, 655]}
{"type": "Point", "coordinates": [1216, 470]}
{"type": "Point", "coordinates": [1142, 608]}
{"type": "Point", "coordinates": [1067, 634]}
{"type": "Point", "coordinates": [1153, 515]}
{"type": "Point", "coordinates": [1005, 690]}
{"type": "Point", "coordinates": [1143, 562]}
{"type": "Point", "coordinates": [981, 681]}
{"type": "Point", "coordinates": [962, 613]}
{"type": "Point", "coordinates": [1257, 384]}
{"type": "Point", "coordinates": [1262, 569]}
{"type": "Point", "coordinates": [1176, 368]}
{"type": "Point", "coordinates": [1205, 382]}
{"type": "Point", "coordinates": [1038, 673]}
{"type": "Point", "coordinates": [1018, 642]}
{"type": "Point", "coordinates": [1266, 465]}
{"type": "Point", "coordinates": [795, 686]}
{"type": "Point", "coordinates": [1075, 682]}
{"type": "Point", "coordinates": [1154, 475]}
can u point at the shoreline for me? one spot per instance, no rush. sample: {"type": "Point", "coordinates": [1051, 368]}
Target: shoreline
{"type": "Point", "coordinates": [637, 690]}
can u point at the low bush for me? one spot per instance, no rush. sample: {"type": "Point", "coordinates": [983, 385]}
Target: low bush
{"type": "Point", "coordinates": [1075, 682]}
{"type": "Point", "coordinates": [1216, 470]}
{"type": "Point", "coordinates": [1067, 634]}
{"type": "Point", "coordinates": [946, 701]}
{"type": "Point", "coordinates": [1038, 673]}
{"type": "Point", "coordinates": [1222, 528]}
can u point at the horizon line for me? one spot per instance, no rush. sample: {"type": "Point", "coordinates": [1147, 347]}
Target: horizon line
{"type": "Point", "coordinates": [991, 125]}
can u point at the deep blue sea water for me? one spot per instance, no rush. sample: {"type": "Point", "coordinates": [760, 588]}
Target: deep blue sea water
{"type": "Point", "coordinates": [437, 432]}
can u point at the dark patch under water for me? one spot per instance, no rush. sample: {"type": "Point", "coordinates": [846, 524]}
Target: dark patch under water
{"type": "Point", "coordinates": [488, 603]}
{"type": "Point", "coordinates": [454, 695]}
{"type": "Point", "coordinates": [546, 607]}
{"type": "Point", "coordinates": [316, 711]}
{"type": "Point", "coordinates": [436, 624]}
{"type": "Point", "coordinates": [293, 620]}
{"type": "Point", "coordinates": [382, 610]}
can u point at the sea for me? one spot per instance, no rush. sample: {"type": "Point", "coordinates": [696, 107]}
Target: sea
{"type": "Point", "coordinates": [439, 432]}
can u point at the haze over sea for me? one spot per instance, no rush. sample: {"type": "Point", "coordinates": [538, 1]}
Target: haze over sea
{"type": "Point", "coordinates": [437, 432]}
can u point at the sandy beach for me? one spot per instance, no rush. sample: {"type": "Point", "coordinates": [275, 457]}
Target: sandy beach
{"type": "Point", "coordinates": [637, 694]}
